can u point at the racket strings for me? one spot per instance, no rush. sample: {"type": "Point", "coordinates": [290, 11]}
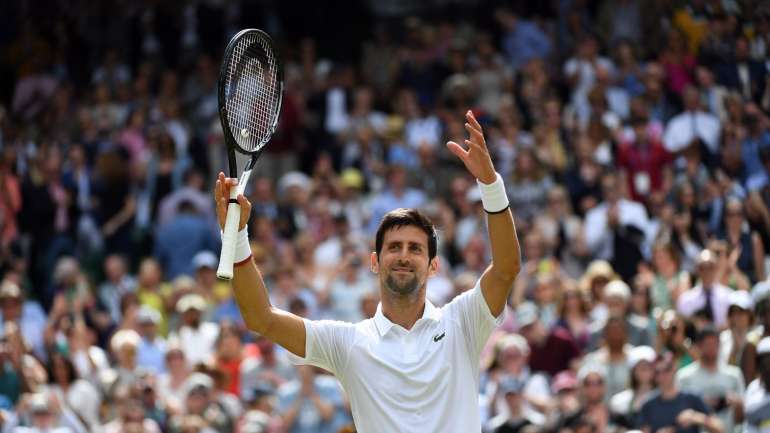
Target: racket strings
{"type": "Point", "coordinates": [253, 92]}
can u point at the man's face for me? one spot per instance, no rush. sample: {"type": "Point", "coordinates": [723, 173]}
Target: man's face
{"type": "Point", "coordinates": [709, 348]}
{"type": "Point", "coordinates": [402, 264]}
{"type": "Point", "coordinates": [707, 272]}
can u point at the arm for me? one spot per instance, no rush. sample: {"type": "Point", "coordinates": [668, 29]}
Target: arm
{"type": "Point", "coordinates": [281, 327]}
{"type": "Point", "coordinates": [497, 280]}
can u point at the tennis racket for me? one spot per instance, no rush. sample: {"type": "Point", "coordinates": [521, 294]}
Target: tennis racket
{"type": "Point", "coordinates": [250, 95]}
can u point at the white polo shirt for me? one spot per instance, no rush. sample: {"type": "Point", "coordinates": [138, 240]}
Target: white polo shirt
{"type": "Point", "coordinates": [422, 380]}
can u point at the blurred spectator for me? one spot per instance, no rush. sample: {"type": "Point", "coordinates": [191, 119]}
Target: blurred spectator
{"type": "Point", "coordinates": [677, 410]}
{"type": "Point", "coordinates": [616, 225]}
{"type": "Point", "coordinates": [693, 127]}
{"type": "Point", "coordinates": [625, 405]}
{"type": "Point", "coordinates": [523, 40]}
{"type": "Point", "coordinates": [720, 386]}
{"type": "Point", "coordinates": [551, 350]}
{"type": "Point", "coordinates": [312, 403]}
{"type": "Point", "coordinates": [756, 403]}
{"type": "Point", "coordinates": [118, 282]}
{"type": "Point", "coordinates": [735, 348]}
{"type": "Point", "coordinates": [516, 417]}
{"type": "Point", "coordinates": [152, 348]}
{"type": "Point", "coordinates": [195, 336]}
{"type": "Point", "coordinates": [25, 314]}
{"type": "Point", "coordinates": [709, 296]}
{"type": "Point", "coordinates": [181, 238]}
{"type": "Point", "coordinates": [81, 396]}
{"type": "Point", "coordinates": [612, 355]}
{"type": "Point", "coordinates": [45, 414]}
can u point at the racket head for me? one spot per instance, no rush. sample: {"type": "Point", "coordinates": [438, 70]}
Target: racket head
{"type": "Point", "coordinates": [250, 91]}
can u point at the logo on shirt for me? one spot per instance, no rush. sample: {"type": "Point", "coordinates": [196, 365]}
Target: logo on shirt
{"type": "Point", "coordinates": [437, 338]}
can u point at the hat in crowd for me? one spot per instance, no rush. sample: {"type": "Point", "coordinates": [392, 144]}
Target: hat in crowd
{"type": "Point", "coordinates": [760, 292]}
{"type": "Point", "coordinates": [198, 381]}
{"type": "Point", "coordinates": [511, 385]}
{"type": "Point", "coordinates": [10, 290]}
{"type": "Point", "coordinates": [597, 269]}
{"type": "Point", "coordinates": [352, 178]}
{"type": "Point", "coordinates": [125, 337]}
{"type": "Point", "coordinates": [294, 179]}
{"type": "Point", "coordinates": [639, 354]}
{"type": "Point", "coordinates": [617, 289]}
{"type": "Point", "coordinates": [563, 381]}
{"type": "Point", "coordinates": [591, 368]}
{"type": "Point", "coordinates": [526, 314]}
{"type": "Point", "coordinates": [205, 259]}
{"type": "Point", "coordinates": [38, 403]}
{"type": "Point", "coordinates": [513, 340]}
{"type": "Point", "coordinates": [763, 347]}
{"type": "Point", "coordinates": [706, 257]}
{"type": "Point", "coordinates": [741, 299]}
{"type": "Point", "coordinates": [147, 315]}
{"type": "Point", "coordinates": [191, 302]}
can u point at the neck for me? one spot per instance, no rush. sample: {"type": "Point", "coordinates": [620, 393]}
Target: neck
{"type": "Point", "coordinates": [708, 365]}
{"type": "Point", "coordinates": [669, 392]}
{"type": "Point", "coordinates": [404, 310]}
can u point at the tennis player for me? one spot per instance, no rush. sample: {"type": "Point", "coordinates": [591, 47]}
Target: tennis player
{"type": "Point", "coordinates": [412, 367]}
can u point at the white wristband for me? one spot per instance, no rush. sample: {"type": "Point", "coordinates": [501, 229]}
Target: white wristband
{"type": "Point", "coordinates": [242, 246]}
{"type": "Point", "coordinates": [493, 196]}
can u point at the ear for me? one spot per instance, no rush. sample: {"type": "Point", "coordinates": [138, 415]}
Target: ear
{"type": "Point", "coordinates": [374, 263]}
{"type": "Point", "coordinates": [433, 267]}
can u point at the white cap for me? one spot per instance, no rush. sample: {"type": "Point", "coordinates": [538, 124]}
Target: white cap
{"type": "Point", "coordinates": [763, 347]}
{"type": "Point", "coordinates": [760, 291]}
{"type": "Point", "coordinates": [641, 353]}
{"type": "Point", "coordinates": [205, 259]}
{"type": "Point", "coordinates": [741, 299]}
{"type": "Point", "coordinates": [294, 178]}
{"type": "Point", "coordinates": [191, 302]}
{"type": "Point", "coordinates": [617, 288]}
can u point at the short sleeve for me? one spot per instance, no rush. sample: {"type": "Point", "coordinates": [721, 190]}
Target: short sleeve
{"type": "Point", "coordinates": [327, 344]}
{"type": "Point", "coordinates": [699, 405]}
{"type": "Point", "coordinates": [471, 311]}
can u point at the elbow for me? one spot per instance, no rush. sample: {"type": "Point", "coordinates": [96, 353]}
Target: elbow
{"type": "Point", "coordinates": [507, 273]}
{"type": "Point", "coordinates": [259, 323]}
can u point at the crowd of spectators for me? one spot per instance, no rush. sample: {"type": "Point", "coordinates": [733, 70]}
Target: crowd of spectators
{"type": "Point", "coordinates": [633, 137]}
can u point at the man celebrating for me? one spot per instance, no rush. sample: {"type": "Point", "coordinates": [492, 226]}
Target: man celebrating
{"type": "Point", "coordinates": [412, 367]}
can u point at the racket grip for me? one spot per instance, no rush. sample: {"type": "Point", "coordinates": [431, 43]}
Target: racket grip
{"type": "Point", "coordinates": [229, 235]}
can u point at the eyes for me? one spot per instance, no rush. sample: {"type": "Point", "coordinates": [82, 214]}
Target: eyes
{"type": "Point", "coordinates": [413, 247]}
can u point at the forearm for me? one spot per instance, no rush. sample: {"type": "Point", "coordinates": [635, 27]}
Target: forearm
{"type": "Point", "coordinates": [710, 423]}
{"type": "Point", "coordinates": [281, 327]}
{"type": "Point", "coordinates": [506, 254]}
{"type": "Point", "coordinates": [251, 296]}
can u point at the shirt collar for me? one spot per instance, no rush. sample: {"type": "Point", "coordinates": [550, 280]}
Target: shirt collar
{"type": "Point", "coordinates": [384, 324]}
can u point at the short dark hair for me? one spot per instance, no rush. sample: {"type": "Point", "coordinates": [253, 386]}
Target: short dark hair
{"type": "Point", "coordinates": [707, 331]}
{"type": "Point", "coordinates": [406, 217]}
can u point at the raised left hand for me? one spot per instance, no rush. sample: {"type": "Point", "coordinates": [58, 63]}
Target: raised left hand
{"type": "Point", "coordinates": [476, 158]}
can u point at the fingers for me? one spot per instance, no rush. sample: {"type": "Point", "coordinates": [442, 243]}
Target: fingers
{"type": "Point", "coordinates": [245, 211]}
{"type": "Point", "coordinates": [476, 136]}
{"type": "Point", "coordinates": [457, 150]}
{"type": "Point", "coordinates": [472, 120]}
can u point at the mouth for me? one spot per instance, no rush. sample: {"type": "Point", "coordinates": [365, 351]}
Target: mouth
{"type": "Point", "coordinates": [402, 270]}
